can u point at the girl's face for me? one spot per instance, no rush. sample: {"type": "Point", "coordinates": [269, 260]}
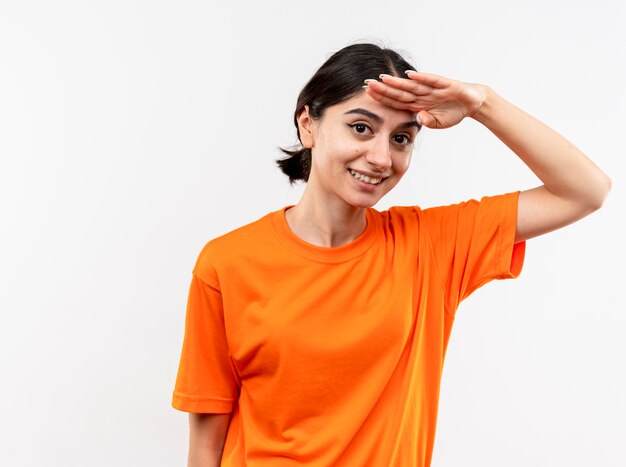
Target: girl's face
{"type": "Point", "coordinates": [360, 149]}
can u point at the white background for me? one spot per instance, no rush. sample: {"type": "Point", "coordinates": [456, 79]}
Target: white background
{"type": "Point", "coordinates": [132, 132]}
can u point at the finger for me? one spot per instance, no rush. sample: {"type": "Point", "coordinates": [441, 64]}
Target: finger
{"type": "Point", "coordinates": [425, 118]}
{"type": "Point", "coordinates": [393, 93]}
{"type": "Point", "coordinates": [434, 81]}
{"type": "Point", "coordinates": [388, 101]}
{"type": "Point", "coordinates": [409, 85]}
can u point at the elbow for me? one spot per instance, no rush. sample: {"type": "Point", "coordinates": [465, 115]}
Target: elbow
{"type": "Point", "coordinates": [608, 183]}
{"type": "Point", "coordinates": [607, 186]}
{"type": "Point", "coordinates": [600, 193]}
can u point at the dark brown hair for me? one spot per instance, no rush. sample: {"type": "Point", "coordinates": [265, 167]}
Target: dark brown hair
{"type": "Point", "coordinates": [338, 79]}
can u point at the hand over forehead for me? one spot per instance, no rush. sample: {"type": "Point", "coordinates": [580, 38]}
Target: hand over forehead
{"type": "Point", "coordinates": [438, 101]}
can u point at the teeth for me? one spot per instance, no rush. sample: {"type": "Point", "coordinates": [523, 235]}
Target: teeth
{"type": "Point", "coordinates": [365, 178]}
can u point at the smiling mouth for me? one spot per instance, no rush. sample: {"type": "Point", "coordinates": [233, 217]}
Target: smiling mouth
{"type": "Point", "coordinates": [365, 178]}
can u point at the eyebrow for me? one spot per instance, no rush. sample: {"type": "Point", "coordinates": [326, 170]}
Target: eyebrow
{"type": "Point", "coordinates": [379, 119]}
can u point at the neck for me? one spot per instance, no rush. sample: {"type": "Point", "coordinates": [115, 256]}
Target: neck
{"type": "Point", "coordinates": [327, 223]}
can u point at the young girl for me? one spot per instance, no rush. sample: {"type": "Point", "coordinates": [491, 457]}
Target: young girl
{"type": "Point", "coordinates": [316, 335]}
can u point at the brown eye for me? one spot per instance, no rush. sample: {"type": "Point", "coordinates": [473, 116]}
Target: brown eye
{"type": "Point", "coordinates": [360, 128]}
{"type": "Point", "coordinates": [402, 139]}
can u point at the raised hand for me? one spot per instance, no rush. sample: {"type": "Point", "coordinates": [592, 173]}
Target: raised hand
{"type": "Point", "coordinates": [439, 102]}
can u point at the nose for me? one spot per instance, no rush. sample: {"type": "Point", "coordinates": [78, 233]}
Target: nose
{"type": "Point", "coordinates": [379, 154]}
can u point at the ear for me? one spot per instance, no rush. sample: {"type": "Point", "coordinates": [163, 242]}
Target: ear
{"type": "Point", "coordinates": [305, 127]}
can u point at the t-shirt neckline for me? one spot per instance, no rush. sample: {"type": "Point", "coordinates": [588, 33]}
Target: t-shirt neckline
{"type": "Point", "coordinates": [342, 253]}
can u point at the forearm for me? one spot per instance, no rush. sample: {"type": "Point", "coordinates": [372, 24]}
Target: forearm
{"type": "Point", "coordinates": [207, 434]}
{"type": "Point", "coordinates": [202, 456]}
{"type": "Point", "coordinates": [564, 170]}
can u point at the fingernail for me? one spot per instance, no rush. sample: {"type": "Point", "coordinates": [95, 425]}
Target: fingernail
{"type": "Point", "coordinates": [383, 75]}
{"type": "Point", "coordinates": [365, 87]}
{"type": "Point", "coordinates": [367, 81]}
{"type": "Point", "coordinates": [410, 71]}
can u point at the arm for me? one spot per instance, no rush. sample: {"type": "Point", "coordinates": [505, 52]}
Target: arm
{"type": "Point", "coordinates": [207, 433]}
{"type": "Point", "coordinates": [573, 186]}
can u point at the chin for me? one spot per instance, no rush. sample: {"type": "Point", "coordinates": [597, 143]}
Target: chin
{"type": "Point", "coordinates": [363, 203]}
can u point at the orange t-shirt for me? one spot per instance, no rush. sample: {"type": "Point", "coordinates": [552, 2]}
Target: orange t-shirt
{"type": "Point", "coordinates": [333, 356]}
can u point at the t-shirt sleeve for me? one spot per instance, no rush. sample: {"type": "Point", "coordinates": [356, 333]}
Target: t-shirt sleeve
{"type": "Point", "coordinates": [207, 381]}
{"type": "Point", "coordinates": [473, 243]}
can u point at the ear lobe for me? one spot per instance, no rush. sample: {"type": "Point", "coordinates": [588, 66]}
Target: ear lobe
{"type": "Point", "coordinates": [305, 127]}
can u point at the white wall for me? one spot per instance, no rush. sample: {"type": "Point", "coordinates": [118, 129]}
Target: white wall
{"type": "Point", "coordinates": [132, 132]}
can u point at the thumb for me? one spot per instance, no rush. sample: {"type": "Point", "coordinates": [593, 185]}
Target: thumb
{"type": "Point", "coordinates": [425, 119]}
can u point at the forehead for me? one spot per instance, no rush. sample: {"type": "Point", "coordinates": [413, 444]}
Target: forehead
{"type": "Point", "coordinates": [364, 101]}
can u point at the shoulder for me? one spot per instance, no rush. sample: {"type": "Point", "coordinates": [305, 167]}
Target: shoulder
{"type": "Point", "coordinates": [233, 246]}
{"type": "Point", "coordinates": [494, 205]}
{"type": "Point", "coordinates": [486, 209]}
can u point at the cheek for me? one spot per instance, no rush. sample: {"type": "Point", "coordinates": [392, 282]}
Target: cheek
{"type": "Point", "coordinates": [336, 144]}
{"type": "Point", "coordinates": [401, 162]}
{"type": "Point", "coordinates": [342, 150]}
